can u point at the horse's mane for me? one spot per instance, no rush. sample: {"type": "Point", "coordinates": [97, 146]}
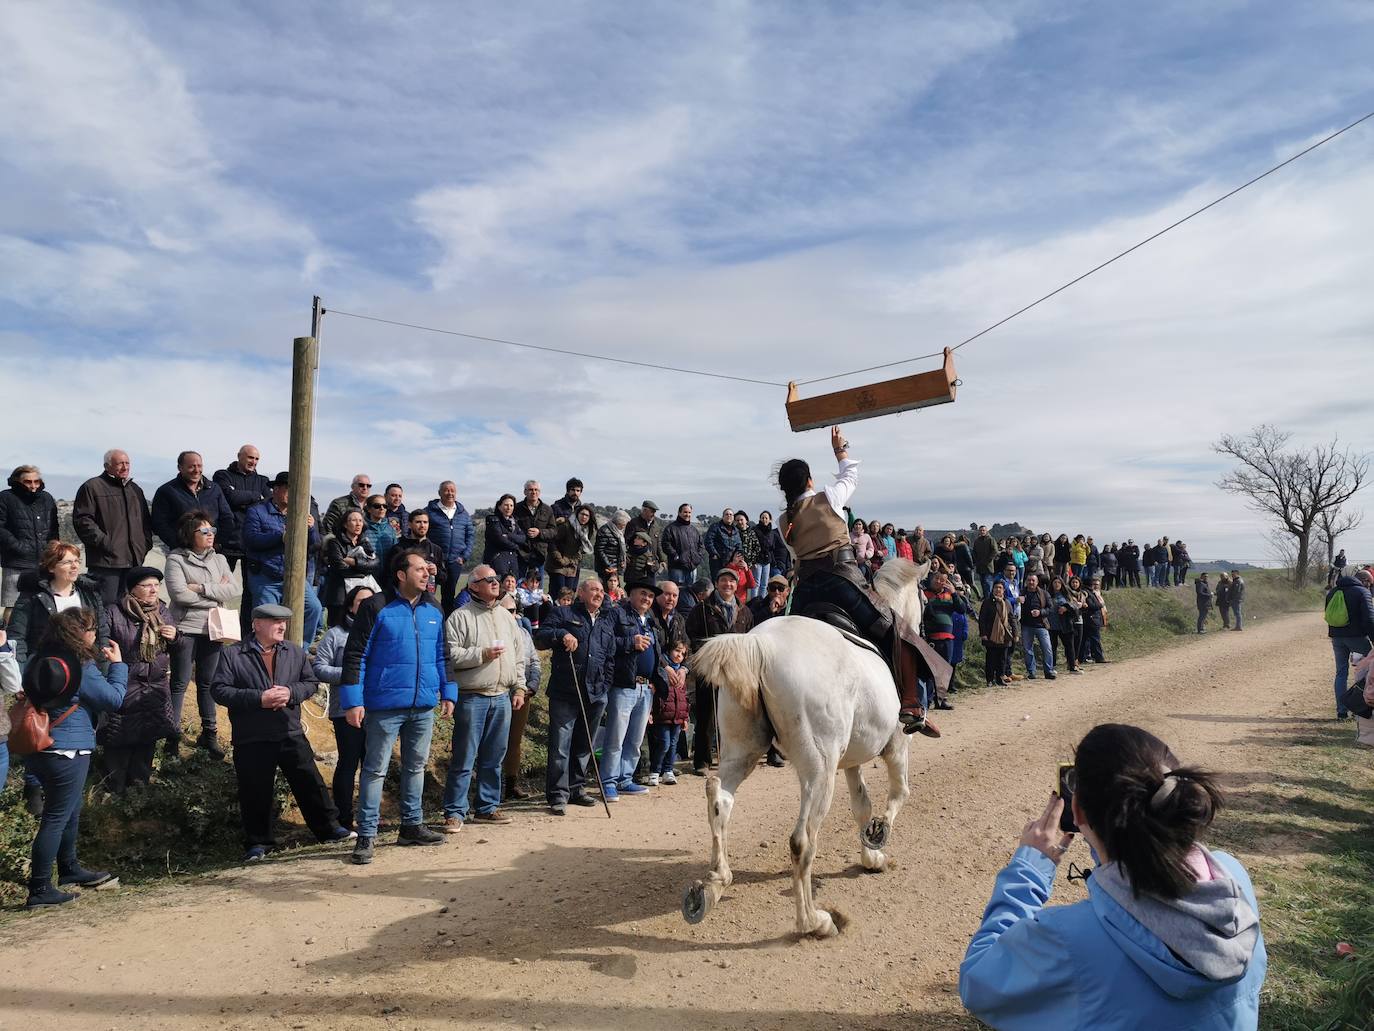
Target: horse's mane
{"type": "Point", "coordinates": [898, 584]}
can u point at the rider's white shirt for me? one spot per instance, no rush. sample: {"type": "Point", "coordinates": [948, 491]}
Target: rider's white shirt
{"type": "Point", "coordinates": [846, 483]}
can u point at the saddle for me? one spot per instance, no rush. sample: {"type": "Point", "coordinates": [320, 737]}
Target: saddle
{"type": "Point", "coordinates": [905, 670]}
{"type": "Point", "coordinates": [841, 621]}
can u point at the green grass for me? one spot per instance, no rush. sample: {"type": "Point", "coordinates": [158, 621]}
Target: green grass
{"type": "Point", "coordinates": [1306, 829]}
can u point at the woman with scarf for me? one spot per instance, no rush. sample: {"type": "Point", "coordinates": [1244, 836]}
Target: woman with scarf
{"type": "Point", "coordinates": [143, 628]}
{"type": "Point", "coordinates": [348, 740]}
{"type": "Point", "coordinates": [773, 555]}
{"type": "Point", "coordinates": [997, 631]}
{"type": "Point", "coordinates": [572, 542]}
{"type": "Point", "coordinates": [350, 555]}
{"type": "Point", "coordinates": [504, 538]}
{"type": "Point", "coordinates": [198, 582]}
{"type": "Point", "coordinates": [944, 551]}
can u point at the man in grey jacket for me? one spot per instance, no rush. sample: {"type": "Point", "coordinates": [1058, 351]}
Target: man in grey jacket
{"type": "Point", "coordinates": [486, 657]}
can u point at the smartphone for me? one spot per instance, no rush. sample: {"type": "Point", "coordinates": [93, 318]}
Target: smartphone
{"type": "Point", "coordinates": [1064, 784]}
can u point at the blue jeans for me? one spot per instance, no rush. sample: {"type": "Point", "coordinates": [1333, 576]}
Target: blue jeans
{"type": "Point", "coordinates": [681, 577]}
{"type": "Point", "coordinates": [627, 714]}
{"type": "Point", "coordinates": [266, 590]}
{"type": "Point", "coordinates": [1343, 647]}
{"type": "Point", "coordinates": [570, 746]}
{"type": "Point", "coordinates": [415, 727]}
{"type": "Point", "coordinates": [557, 581]}
{"type": "Point", "coordinates": [1029, 636]}
{"type": "Point", "coordinates": [985, 582]}
{"type": "Point", "coordinates": [481, 724]}
{"type": "Point", "coordinates": [663, 747]}
{"type": "Point", "coordinates": [64, 783]}
{"type": "Point", "coordinates": [4, 762]}
{"type": "Point", "coordinates": [761, 573]}
{"type": "Point", "coordinates": [1235, 612]}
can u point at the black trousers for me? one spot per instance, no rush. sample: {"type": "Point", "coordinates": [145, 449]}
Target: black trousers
{"type": "Point", "coordinates": [256, 764]}
{"type": "Point", "coordinates": [127, 765]}
{"type": "Point", "coordinates": [1092, 643]}
{"type": "Point", "coordinates": [994, 657]}
{"type": "Point", "coordinates": [704, 725]}
{"type": "Point", "coordinates": [351, 743]}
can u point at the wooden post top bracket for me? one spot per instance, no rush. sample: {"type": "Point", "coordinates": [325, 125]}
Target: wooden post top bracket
{"type": "Point", "coordinates": [868, 402]}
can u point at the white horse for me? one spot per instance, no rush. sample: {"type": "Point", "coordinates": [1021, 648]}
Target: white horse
{"type": "Point", "coordinates": [832, 706]}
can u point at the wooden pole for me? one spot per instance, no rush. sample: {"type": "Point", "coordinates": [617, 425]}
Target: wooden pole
{"type": "Point", "coordinates": [305, 358]}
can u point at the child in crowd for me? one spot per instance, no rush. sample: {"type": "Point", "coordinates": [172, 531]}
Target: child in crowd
{"type": "Point", "coordinates": [613, 591]}
{"type": "Point", "coordinates": [669, 717]}
{"type": "Point", "coordinates": [747, 581]}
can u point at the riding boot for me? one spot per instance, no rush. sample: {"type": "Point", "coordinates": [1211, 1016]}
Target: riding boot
{"type": "Point", "coordinates": [912, 714]}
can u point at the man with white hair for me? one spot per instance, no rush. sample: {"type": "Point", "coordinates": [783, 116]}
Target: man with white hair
{"type": "Point", "coordinates": [355, 499]}
{"type": "Point", "coordinates": [535, 519]}
{"type": "Point", "coordinates": [112, 518]}
{"type": "Point", "coordinates": [608, 550]}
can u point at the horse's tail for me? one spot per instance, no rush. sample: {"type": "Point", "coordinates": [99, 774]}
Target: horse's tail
{"type": "Point", "coordinates": [734, 663]}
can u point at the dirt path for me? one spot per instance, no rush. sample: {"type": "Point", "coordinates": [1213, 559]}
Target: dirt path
{"type": "Point", "coordinates": [574, 923]}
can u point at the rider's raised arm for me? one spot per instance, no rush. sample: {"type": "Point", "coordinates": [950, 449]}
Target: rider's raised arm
{"type": "Point", "coordinates": [846, 483]}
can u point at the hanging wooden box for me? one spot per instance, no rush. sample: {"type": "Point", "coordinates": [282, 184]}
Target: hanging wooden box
{"type": "Point", "coordinates": [894, 395]}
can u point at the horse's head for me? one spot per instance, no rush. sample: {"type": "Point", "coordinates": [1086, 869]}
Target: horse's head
{"type": "Point", "coordinates": [898, 584]}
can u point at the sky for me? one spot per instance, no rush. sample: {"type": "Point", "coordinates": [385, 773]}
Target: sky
{"type": "Point", "coordinates": [771, 190]}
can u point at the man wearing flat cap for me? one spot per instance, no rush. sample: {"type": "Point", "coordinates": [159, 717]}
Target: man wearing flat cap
{"type": "Point", "coordinates": [639, 669]}
{"type": "Point", "coordinates": [262, 681]}
{"type": "Point", "coordinates": [652, 560]}
{"type": "Point", "coordinates": [721, 612]}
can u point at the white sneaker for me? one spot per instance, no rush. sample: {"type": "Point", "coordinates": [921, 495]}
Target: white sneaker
{"type": "Point", "coordinates": [653, 780]}
{"type": "Point", "coordinates": [670, 777]}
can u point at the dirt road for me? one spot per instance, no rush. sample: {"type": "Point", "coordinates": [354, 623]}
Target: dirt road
{"type": "Point", "coordinates": [574, 922]}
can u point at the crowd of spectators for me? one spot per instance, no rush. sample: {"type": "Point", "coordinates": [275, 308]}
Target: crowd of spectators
{"type": "Point", "coordinates": [420, 624]}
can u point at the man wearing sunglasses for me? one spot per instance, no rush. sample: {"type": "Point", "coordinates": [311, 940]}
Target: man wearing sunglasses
{"type": "Point", "coordinates": [356, 498]}
{"type": "Point", "coordinates": [28, 521]}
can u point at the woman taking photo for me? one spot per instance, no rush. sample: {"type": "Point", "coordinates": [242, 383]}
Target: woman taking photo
{"type": "Point", "coordinates": [1169, 936]}
{"type": "Point", "coordinates": [58, 585]}
{"type": "Point", "coordinates": [349, 555]}
{"type": "Point", "coordinates": [63, 680]}
{"type": "Point", "coordinates": [773, 557]}
{"type": "Point", "coordinates": [504, 538]}
{"type": "Point", "coordinates": [142, 628]}
{"type": "Point", "coordinates": [198, 582]}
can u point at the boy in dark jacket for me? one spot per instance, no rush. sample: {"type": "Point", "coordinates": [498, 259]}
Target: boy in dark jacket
{"type": "Point", "coordinates": [262, 682]}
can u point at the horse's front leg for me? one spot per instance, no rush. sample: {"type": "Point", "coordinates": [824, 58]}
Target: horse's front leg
{"type": "Point", "coordinates": [895, 758]}
{"type": "Point", "coordinates": [870, 841]}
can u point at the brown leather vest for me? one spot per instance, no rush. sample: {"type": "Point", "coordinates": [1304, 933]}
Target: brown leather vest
{"type": "Point", "coordinates": [816, 530]}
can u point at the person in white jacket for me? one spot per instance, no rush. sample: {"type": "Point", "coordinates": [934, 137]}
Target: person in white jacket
{"type": "Point", "coordinates": [11, 682]}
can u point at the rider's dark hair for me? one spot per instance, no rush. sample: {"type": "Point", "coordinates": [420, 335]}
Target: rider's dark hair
{"type": "Point", "coordinates": [793, 475]}
{"type": "Point", "coordinates": [1147, 810]}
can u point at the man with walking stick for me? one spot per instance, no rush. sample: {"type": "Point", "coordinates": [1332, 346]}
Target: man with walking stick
{"type": "Point", "coordinates": [582, 640]}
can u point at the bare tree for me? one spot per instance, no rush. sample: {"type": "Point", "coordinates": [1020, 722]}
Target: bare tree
{"type": "Point", "coordinates": [1332, 525]}
{"type": "Point", "coordinates": [1294, 487]}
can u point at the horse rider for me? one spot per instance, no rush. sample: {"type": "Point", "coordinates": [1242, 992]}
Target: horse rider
{"type": "Point", "coordinates": [814, 527]}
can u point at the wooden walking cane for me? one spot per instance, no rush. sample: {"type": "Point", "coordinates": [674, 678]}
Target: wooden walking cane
{"type": "Point", "coordinates": [591, 747]}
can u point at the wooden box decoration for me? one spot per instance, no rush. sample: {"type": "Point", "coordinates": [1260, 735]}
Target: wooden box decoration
{"type": "Point", "coordinates": [868, 402]}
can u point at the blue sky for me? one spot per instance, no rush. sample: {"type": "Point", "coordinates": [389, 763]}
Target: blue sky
{"type": "Point", "coordinates": [776, 190]}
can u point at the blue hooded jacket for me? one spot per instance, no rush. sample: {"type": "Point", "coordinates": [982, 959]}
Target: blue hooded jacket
{"type": "Point", "coordinates": [394, 658]}
{"type": "Point", "coordinates": [1095, 964]}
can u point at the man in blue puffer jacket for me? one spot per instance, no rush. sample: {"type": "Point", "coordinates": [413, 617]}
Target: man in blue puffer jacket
{"type": "Point", "coordinates": [451, 528]}
{"type": "Point", "coordinates": [394, 675]}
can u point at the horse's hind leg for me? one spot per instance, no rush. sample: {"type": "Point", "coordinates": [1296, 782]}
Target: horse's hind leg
{"type": "Point", "coordinates": [817, 778]}
{"type": "Point", "coordinates": [741, 748]}
{"type": "Point", "coordinates": [872, 833]}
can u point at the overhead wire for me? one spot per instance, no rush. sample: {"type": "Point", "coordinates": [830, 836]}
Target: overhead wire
{"type": "Point", "coordinates": [884, 365]}
{"type": "Point", "coordinates": [1097, 268]}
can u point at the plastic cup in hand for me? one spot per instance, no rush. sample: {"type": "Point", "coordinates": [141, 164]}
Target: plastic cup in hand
{"type": "Point", "coordinates": [498, 646]}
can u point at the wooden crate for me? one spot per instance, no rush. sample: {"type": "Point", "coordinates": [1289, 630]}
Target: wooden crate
{"type": "Point", "coordinates": [868, 402]}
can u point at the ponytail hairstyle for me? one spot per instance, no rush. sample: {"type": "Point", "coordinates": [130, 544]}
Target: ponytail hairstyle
{"type": "Point", "coordinates": [793, 476]}
{"type": "Point", "coordinates": [1147, 810]}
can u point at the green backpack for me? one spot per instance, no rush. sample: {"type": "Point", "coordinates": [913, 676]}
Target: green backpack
{"type": "Point", "coordinates": [1337, 614]}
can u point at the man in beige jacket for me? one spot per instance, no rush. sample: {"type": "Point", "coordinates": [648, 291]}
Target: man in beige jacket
{"type": "Point", "coordinates": [486, 656]}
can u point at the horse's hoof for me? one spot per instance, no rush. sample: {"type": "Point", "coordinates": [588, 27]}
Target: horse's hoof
{"type": "Point", "coordinates": [874, 836]}
{"type": "Point", "coordinates": [695, 904]}
{"type": "Point", "coordinates": [825, 926]}
{"type": "Point", "coordinates": [874, 861]}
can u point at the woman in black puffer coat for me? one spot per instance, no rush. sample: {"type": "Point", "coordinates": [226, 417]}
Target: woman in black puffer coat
{"type": "Point", "coordinates": [504, 539]}
{"type": "Point", "coordinates": [28, 520]}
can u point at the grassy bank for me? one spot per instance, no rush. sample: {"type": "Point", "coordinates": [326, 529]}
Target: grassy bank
{"type": "Point", "coordinates": [1307, 829]}
{"type": "Point", "coordinates": [186, 821]}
